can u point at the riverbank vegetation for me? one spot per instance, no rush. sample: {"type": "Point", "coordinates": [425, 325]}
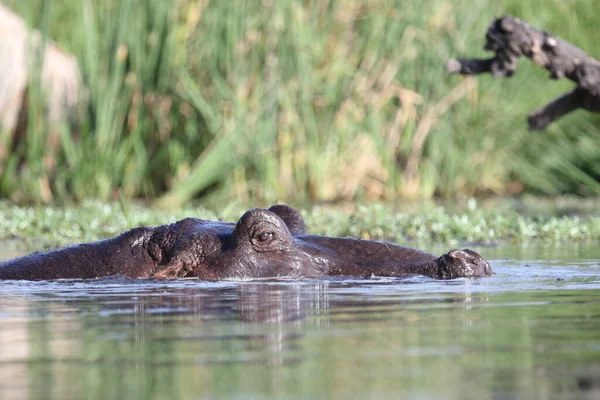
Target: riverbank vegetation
{"type": "Point", "coordinates": [299, 101]}
{"type": "Point", "coordinates": [47, 227]}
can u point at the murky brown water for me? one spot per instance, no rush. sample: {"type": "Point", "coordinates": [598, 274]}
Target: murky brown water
{"type": "Point", "coordinates": [531, 331]}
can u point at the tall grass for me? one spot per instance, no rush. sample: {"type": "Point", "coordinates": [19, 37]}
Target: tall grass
{"type": "Point", "coordinates": [299, 101]}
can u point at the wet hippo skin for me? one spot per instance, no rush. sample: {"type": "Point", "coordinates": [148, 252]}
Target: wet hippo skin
{"type": "Point", "coordinates": [262, 244]}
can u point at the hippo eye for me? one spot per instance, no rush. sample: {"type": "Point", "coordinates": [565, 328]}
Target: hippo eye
{"type": "Point", "coordinates": [264, 236]}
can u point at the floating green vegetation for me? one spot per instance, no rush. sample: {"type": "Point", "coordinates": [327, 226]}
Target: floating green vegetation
{"type": "Point", "coordinates": [45, 227]}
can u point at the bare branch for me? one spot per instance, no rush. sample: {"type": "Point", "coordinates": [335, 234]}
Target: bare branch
{"type": "Point", "coordinates": [469, 66]}
{"type": "Point", "coordinates": [552, 111]}
{"type": "Point", "coordinates": [511, 38]}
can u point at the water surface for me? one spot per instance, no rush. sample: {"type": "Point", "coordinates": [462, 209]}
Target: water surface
{"type": "Point", "coordinates": [531, 331]}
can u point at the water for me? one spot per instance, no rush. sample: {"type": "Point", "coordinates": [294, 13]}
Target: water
{"type": "Point", "coordinates": [531, 331]}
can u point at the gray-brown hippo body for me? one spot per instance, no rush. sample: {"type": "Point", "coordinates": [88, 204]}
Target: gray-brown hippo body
{"type": "Point", "coordinates": [262, 244]}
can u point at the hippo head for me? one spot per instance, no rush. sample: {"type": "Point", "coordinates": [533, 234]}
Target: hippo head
{"type": "Point", "coordinates": [275, 243]}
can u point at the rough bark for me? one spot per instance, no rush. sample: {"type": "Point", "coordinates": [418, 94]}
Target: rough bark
{"type": "Point", "coordinates": [511, 38]}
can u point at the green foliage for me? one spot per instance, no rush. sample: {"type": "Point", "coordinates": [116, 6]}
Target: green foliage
{"type": "Point", "coordinates": [302, 101]}
{"type": "Point", "coordinates": [46, 227]}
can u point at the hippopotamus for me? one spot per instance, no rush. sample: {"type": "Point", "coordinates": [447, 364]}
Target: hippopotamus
{"type": "Point", "coordinates": [262, 244]}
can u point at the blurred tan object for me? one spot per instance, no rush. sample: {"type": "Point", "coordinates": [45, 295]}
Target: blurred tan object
{"type": "Point", "coordinates": [60, 76]}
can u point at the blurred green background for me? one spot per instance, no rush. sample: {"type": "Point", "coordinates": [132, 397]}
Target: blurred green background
{"type": "Point", "coordinates": [298, 101]}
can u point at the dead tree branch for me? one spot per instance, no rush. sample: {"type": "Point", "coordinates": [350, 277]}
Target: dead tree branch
{"type": "Point", "coordinates": [511, 38]}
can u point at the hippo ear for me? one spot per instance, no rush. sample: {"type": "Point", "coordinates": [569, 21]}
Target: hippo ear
{"type": "Point", "coordinates": [291, 217]}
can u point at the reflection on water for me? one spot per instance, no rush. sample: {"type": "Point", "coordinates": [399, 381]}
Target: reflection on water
{"type": "Point", "coordinates": [531, 331]}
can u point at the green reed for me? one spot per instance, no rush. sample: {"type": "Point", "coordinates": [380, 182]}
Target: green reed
{"type": "Point", "coordinates": [300, 101]}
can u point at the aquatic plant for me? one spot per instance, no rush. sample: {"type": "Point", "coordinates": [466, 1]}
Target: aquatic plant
{"type": "Point", "coordinates": [45, 227]}
{"type": "Point", "coordinates": [295, 100]}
